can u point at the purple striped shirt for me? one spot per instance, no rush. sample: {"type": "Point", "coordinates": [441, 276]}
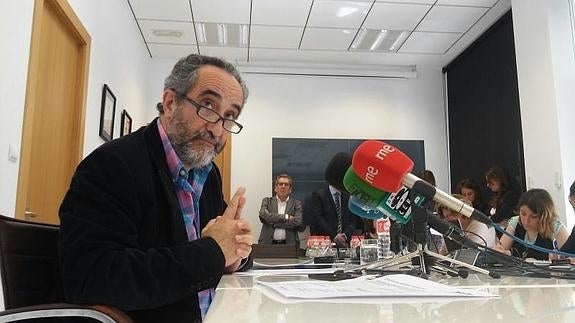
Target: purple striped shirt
{"type": "Point", "coordinates": [188, 189]}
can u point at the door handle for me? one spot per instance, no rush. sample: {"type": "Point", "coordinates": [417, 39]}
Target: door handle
{"type": "Point", "coordinates": [28, 215]}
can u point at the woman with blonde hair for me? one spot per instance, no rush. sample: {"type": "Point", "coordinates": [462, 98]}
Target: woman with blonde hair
{"type": "Point", "coordinates": [537, 224]}
{"type": "Point", "coordinates": [474, 230]}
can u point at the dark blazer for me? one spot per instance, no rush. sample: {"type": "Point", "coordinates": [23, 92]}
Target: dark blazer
{"type": "Point", "coordinates": [323, 218]}
{"type": "Point", "coordinates": [271, 220]}
{"type": "Point", "coordinates": [506, 208]}
{"type": "Point", "coordinates": [569, 245]}
{"type": "Point", "coordinates": [123, 241]}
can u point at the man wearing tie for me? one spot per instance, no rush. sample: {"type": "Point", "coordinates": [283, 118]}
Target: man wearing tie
{"type": "Point", "coordinates": [328, 213]}
{"type": "Point", "coordinates": [281, 216]}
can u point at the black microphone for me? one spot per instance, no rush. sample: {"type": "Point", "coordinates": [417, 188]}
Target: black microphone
{"type": "Point", "coordinates": [395, 237]}
{"type": "Point", "coordinates": [449, 230]}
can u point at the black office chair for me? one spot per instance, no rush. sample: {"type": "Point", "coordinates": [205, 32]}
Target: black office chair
{"type": "Point", "coordinates": [30, 276]}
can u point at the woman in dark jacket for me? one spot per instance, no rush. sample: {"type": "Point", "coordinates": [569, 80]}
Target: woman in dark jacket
{"type": "Point", "coordinates": [502, 205]}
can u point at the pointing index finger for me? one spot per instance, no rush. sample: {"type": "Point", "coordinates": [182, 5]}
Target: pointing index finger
{"type": "Point", "coordinates": [236, 202]}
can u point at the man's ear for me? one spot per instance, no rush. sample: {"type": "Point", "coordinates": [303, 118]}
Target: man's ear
{"type": "Point", "coordinates": [168, 102]}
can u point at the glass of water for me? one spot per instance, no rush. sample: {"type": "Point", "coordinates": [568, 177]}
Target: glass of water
{"type": "Point", "coordinates": [368, 251]}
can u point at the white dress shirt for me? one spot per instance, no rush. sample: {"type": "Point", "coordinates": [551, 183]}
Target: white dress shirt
{"type": "Point", "coordinates": [280, 233]}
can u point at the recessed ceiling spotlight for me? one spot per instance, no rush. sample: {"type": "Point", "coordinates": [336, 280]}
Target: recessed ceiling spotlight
{"type": "Point", "coordinates": [168, 33]}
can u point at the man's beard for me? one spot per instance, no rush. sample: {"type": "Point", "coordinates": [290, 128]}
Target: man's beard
{"type": "Point", "coordinates": [188, 146]}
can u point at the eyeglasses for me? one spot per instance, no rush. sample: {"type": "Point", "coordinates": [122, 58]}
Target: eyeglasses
{"type": "Point", "coordinates": [212, 116]}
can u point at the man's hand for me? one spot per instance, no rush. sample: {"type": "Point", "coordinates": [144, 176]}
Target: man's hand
{"type": "Point", "coordinates": [232, 233]}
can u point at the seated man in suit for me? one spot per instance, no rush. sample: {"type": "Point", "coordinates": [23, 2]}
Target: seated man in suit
{"type": "Point", "coordinates": [328, 213]}
{"type": "Point", "coordinates": [281, 216]}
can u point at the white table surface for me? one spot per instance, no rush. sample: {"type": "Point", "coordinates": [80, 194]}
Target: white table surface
{"type": "Point", "coordinates": [239, 299]}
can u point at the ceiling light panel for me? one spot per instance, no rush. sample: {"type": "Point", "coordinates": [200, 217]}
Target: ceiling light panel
{"type": "Point", "coordinates": [338, 14]}
{"type": "Point", "coordinates": [396, 16]}
{"type": "Point", "coordinates": [379, 40]}
{"type": "Point", "coordinates": [429, 43]}
{"type": "Point", "coordinates": [222, 11]}
{"type": "Point", "coordinates": [167, 32]}
{"type": "Point", "coordinates": [171, 50]}
{"type": "Point", "coordinates": [469, 3]}
{"type": "Point", "coordinates": [410, 1]}
{"type": "Point", "coordinates": [280, 12]}
{"type": "Point", "coordinates": [164, 10]}
{"type": "Point", "coordinates": [451, 19]}
{"type": "Point", "coordinates": [275, 37]}
{"type": "Point", "coordinates": [218, 34]}
{"type": "Point", "coordinates": [327, 38]}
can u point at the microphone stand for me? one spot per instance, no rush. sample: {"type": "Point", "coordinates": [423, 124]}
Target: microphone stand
{"type": "Point", "coordinates": [419, 219]}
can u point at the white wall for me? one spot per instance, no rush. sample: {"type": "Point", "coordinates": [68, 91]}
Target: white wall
{"type": "Point", "coordinates": [118, 57]}
{"type": "Point", "coordinates": [546, 76]}
{"type": "Point", "coordinates": [15, 30]}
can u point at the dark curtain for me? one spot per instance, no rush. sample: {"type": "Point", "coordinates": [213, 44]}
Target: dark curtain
{"type": "Point", "coordinates": [483, 106]}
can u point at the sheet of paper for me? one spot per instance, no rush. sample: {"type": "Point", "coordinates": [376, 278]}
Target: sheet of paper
{"type": "Point", "coordinates": [295, 271]}
{"type": "Point", "coordinates": [371, 286]}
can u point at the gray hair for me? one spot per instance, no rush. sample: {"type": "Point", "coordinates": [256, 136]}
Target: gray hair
{"type": "Point", "coordinates": [185, 73]}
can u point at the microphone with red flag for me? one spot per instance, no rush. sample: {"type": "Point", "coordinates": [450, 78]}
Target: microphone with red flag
{"type": "Point", "coordinates": [387, 168]}
{"type": "Point", "coordinates": [369, 202]}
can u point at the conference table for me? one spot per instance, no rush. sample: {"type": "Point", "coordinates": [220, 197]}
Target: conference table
{"type": "Point", "coordinates": [240, 298]}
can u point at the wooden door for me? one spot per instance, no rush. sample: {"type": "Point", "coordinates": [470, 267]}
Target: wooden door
{"type": "Point", "coordinates": [54, 113]}
{"type": "Point", "coordinates": [223, 160]}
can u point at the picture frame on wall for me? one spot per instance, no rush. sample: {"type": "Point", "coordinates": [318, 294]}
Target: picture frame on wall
{"type": "Point", "coordinates": [107, 114]}
{"type": "Point", "coordinates": [125, 123]}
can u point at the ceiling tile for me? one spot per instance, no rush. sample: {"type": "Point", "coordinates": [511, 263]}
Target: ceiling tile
{"type": "Point", "coordinates": [168, 32]}
{"type": "Point", "coordinates": [327, 38]}
{"type": "Point", "coordinates": [280, 12]}
{"type": "Point", "coordinates": [410, 1]}
{"type": "Point", "coordinates": [164, 10]}
{"type": "Point", "coordinates": [275, 37]}
{"type": "Point", "coordinates": [231, 54]}
{"type": "Point", "coordinates": [429, 43]}
{"type": "Point", "coordinates": [451, 19]}
{"type": "Point", "coordinates": [171, 50]}
{"type": "Point", "coordinates": [395, 16]}
{"type": "Point", "coordinates": [223, 11]}
{"type": "Point", "coordinates": [338, 14]}
{"type": "Point", "coordinates": [469, 3]}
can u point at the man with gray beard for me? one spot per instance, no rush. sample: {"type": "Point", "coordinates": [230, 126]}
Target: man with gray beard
{"type": "Point", "coordinates": [144, 226]}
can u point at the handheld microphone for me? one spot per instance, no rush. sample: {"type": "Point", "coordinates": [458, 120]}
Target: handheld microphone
{"type": "Point", "coordinates": [396, 205]}
{"type": "Point", "coordinates": [387, 168]}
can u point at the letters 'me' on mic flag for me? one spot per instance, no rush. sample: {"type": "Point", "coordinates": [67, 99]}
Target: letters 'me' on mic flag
{"type": "Point", "coordinates": [381, 165]}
